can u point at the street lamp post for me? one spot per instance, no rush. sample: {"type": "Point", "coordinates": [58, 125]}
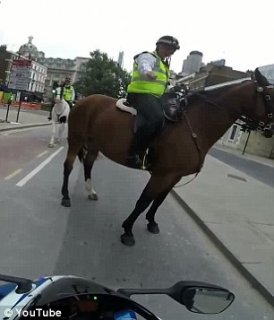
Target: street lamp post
{"type": "Point", "coordinates": [246, 142]}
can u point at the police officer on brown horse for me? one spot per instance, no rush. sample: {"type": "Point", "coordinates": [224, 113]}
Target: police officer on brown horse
{"type": "Point", "coordinates": [149, 81]}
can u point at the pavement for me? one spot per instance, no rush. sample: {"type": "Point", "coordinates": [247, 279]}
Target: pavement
{"type": "Point", "coordinates": [235, 210]}
{"type": "Point", "coordinates": [11, 119]}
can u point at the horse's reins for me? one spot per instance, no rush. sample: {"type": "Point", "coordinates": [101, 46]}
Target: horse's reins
{"type": "Point", "coordinates": [194, 136]}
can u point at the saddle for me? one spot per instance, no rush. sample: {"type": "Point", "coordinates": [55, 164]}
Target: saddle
{"type": "Point", "coordinates": [173, 104]}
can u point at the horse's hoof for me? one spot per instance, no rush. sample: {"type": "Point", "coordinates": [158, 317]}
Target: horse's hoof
{"type": "Point", "coordinates": [66, 203]}
{"type": "Point", "coordinates": [153, 228]}
{"type": "Point", "coordinates": [128, 239]}
{"type": "Point", "coordinates": [93, 196]}
{"type": "Point", "coordinates": [51, 145]}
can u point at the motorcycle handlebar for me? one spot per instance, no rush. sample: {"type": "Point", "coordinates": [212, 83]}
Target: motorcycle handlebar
{"type": "Point", "coordinates": [71, 294]}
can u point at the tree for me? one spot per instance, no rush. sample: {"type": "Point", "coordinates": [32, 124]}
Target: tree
{"type": "Point", "coordinates": [102, 75]}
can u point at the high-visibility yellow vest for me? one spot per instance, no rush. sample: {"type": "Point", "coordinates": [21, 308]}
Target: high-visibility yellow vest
{"type": "Point", "coordinates": [68, 93]}
{"type": "Point", "coordinates": [140, 83]}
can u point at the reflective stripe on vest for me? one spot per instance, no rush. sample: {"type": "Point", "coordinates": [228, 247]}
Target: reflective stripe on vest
{"type": "Point", "coordinates": [68, 93]}
{"type": "Point", "coordinates": [140, 83]}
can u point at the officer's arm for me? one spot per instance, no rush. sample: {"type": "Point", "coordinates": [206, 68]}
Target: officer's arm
{"type": "Point", "coordinates": [146, 63]}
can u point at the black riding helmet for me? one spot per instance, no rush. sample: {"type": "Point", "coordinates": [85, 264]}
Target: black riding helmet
{"type": "Point", "coordinates": [170, 41]}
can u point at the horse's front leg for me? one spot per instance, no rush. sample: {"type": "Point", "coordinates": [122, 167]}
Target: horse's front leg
{"type": "Point", "coordinates": [156, 190]}
{"type": "Point", "coordinates": [53, 131]}
{"type": "Point", "coordinates": [88, 164]}
{"type": "Point", "coordinates": [152, 226]}
{"type": "Point", "coordinates": [61, 130]}
{"type": "Point", "coordinates": [62, 126]}
{"type": "Point", "coordinates": [143, 202]}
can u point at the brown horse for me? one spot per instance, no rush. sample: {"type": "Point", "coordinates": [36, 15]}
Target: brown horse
{"type": "Point", "coordinates": [96, 124]}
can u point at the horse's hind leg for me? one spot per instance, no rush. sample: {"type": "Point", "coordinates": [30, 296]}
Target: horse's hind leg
{"type": "Point", "coordinates": [88, 164]}
{"type": "Point", "coordinates": [73, 149]}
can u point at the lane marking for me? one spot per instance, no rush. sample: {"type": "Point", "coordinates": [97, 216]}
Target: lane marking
{"type": "Point", "coordinates": [13, 174]}
{"type": "Point", "coordinates": [13, 131]}
{"type": "Point", "coordinates": [41, 154]}
{"type": "Point", "coordinates": [23, 181]}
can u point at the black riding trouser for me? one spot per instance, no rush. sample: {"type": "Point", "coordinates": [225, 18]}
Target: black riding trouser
{"type": "Point", "coordinates": [149, 119]}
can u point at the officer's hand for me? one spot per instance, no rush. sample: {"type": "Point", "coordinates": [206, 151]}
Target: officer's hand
{"type": "Point", "coordinates": [151, 75]}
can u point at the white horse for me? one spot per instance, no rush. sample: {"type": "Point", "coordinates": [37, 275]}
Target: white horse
{"type": "Point", "coordinates": [59, 116]}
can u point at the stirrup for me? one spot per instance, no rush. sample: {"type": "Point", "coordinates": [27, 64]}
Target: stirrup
{"type": "Point", "coordinates": [144, 161]}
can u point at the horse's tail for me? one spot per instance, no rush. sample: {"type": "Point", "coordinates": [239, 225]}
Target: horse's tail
{"type": "Point", "coordinates": [82, 153]}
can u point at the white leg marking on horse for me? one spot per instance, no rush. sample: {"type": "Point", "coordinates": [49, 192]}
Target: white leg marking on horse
{"type": "Point", "coordinates": [51, 143]}
{"type": "Point", "coordinates": [61, 131]}
{"type": "Point", "coordinates": [92, 195]}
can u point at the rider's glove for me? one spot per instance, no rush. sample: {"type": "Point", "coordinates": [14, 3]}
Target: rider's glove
{"type": "Point", "coordinates": [150, 75]}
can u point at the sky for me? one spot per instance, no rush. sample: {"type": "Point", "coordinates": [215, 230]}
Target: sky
{"type": "Point", "coordinates": [239, 31]}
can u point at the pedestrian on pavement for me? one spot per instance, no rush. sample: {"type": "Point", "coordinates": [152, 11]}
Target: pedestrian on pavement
{"type": "Point", "coordinates": [149, 82]}
{"type": "Point", "coordinates": [10, 100]}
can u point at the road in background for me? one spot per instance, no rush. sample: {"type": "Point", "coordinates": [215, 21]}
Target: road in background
{"type": "Point", "coordinates": [257, 170]}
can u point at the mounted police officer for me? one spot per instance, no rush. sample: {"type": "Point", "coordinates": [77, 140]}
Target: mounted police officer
{"type": "Point", "coordinates": [68, 91]}
{"type": "Point", "coordinates": [149, 81]}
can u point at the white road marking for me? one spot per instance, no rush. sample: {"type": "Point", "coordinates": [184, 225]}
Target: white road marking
{"type": "Point", "coordinates": [23, 181]}
{"type": "Point", "coordinates": [9, 132]}
{"type": "Point", "coordinates": [13, 174]}
{"type": "Point", "coordinates": [41, 154]}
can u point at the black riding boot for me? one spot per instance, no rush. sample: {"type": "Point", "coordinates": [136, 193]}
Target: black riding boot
{"type": "Point", "coordinates": [140, 142]}
{"type": "Point", "coordinates": [138, 148]}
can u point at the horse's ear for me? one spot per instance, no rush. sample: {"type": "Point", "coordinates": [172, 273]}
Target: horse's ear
{"type": "Point", "coordinates": [262, 81]}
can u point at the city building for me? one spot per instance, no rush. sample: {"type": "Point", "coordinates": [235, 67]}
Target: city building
{"type": "Point", "coordinates": [57, 68]}
{"type": "Point", "coordinates": [120, 60]}
{"type": "Point", "coordinates": [19, 73]}
{"type": "Point", "coordinates": [210, 74]}
{"type": "Point", "coordinates": [192, 63]}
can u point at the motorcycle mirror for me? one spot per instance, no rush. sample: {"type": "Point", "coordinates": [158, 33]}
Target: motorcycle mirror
{"type": "Point", "coordinates": [202, 298]}
{"type": "Point", "coordinates": [207, 300]}
{"type": "Point", "coordinates": [198, 297]}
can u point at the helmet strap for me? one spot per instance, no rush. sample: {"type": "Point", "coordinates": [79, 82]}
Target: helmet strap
{"type": "Point", "coordinates": [167, 61]}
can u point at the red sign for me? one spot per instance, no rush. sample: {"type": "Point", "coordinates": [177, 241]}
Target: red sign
{"type": "Point", "coordinates": [21, 63]}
